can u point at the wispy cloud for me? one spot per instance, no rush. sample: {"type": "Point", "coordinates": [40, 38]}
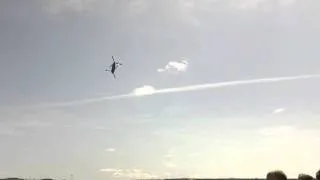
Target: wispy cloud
{"type": "Point", "coordinates": [110, 150]}
{"type": "Point", "coordinates": [149, 90]}
{"type": "Point", "coordinates": [279, 110]}
{"type": "Point", "coordinates": [128, 173]}
{"type": "Point", "coordinates": [110, 170]}
{"type": "Point", "coordinates": [175, 67]}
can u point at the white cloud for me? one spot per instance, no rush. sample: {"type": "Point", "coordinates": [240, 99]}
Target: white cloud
{"type": "Point", "coordinates": [129, 173]}
{"type": "Point", "coordinates": [144, 90]}
{"type": "Point", "coordinates": [110, 149]}
{"type": "Point", "coordinates": [279, 110]}
{"type": "Point", "coordinates": [175, 66]}
{"type": "Point", "coordinates": [110, 170]}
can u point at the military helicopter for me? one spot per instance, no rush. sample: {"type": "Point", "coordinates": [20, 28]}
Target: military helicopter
{"type": "Point", "coordinates": [113, 67]}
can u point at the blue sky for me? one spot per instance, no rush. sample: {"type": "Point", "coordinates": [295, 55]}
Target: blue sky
{"type": "Point", "coordinates": [54, 52]}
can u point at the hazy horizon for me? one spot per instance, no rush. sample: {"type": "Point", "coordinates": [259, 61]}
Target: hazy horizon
{"type": "Point", "coordinates": [232, 88]}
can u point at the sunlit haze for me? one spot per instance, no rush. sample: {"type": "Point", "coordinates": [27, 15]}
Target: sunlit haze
{"type": "Point", "coordinates": [207, 88]}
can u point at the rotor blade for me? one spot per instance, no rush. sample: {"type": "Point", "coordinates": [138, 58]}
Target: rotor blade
{"type": "Point", "coordinates": [119, 60]}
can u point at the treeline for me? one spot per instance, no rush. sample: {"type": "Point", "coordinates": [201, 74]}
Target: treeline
{"type": "Point", "coordinates": [210, 179]}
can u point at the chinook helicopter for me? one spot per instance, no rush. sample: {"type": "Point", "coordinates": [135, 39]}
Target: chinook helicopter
{"type": "Point", "coordinates": [113, 67]}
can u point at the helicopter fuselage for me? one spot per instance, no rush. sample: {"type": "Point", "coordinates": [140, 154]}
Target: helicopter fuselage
{"type": "Point", "coordinates": [113, 67]}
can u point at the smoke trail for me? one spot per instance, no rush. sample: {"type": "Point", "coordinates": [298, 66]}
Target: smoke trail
{"type": "Point", "coordinates": [152, 91]}
{"type": "Point", "coordinates": [233, 83]}
{"type": "Point", "coordinates": [83, 101]}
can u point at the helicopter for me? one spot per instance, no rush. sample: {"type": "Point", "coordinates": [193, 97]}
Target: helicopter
{"type": "Point", "coordinates": [113, 67]}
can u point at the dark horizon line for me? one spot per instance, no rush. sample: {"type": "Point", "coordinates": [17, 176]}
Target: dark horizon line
{"type": "Point", "coordinates": [210, 179]}
{"type": "Point", "coordinates": [15, 178]}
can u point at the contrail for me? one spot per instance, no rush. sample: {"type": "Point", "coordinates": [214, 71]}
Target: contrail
{"type": "Point", "coordinates": [182, 89]}
{"type": "Point", "coordinates": [83, 101]}
{"type": "Point", "coordinates": [233, 83]}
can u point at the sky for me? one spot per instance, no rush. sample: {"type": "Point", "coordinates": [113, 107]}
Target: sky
{"type": "Point", "coordinates": [208, 88]}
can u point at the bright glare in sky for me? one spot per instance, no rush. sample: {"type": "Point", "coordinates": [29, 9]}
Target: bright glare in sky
{"type": "Point", "coordinates": [145, 90]}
